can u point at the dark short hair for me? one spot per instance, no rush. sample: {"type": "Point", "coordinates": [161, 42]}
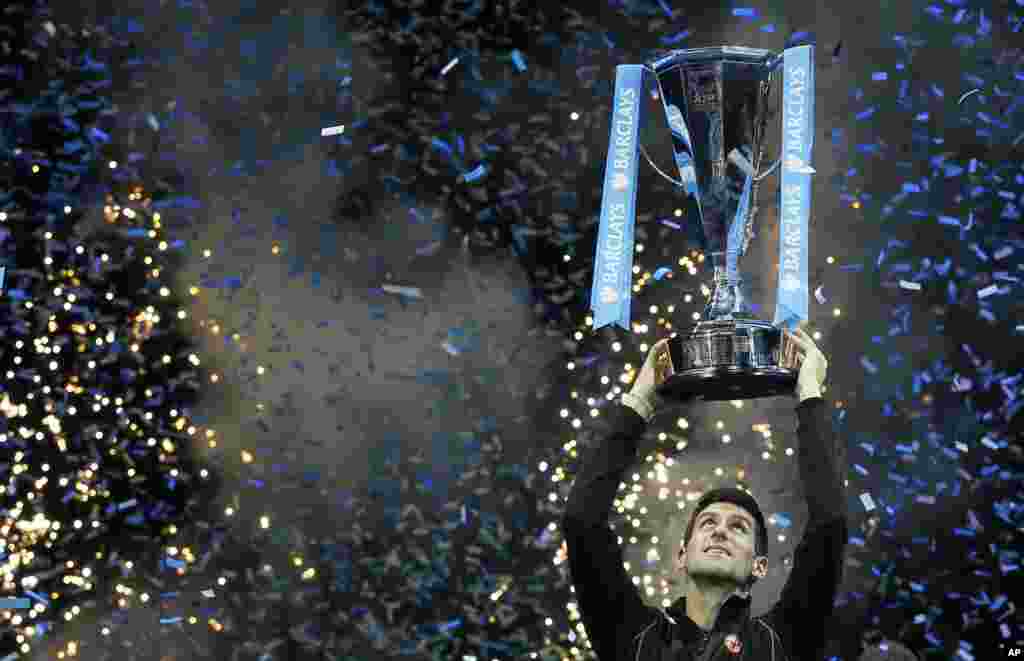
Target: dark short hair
{"type": "Point", "coordinates": [740, 499]}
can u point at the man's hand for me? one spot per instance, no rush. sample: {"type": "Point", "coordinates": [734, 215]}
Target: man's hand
{"type": "Point", "coordinates": [812, 368]}
{"type": "Point", "coordinates": [643, 396]}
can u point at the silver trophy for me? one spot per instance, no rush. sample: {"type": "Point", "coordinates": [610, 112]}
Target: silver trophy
{"type": "Point", "coordinates": [716, 101]}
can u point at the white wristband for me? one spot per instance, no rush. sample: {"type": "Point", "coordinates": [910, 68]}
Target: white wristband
{"type": "Point", "coordinates": [808, 392]}
{"type": "Point", "coordinates": [643, 408]}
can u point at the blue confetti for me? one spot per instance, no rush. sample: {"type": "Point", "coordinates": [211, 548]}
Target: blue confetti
{"type": "Point", "coordinates": [865, 114]}
{"type": "Point", "coordinates": [519, 60]}
{"type": "Point", "coordinates": [676, 38]}
{"type": "Point", "coordinates": [477, 173]}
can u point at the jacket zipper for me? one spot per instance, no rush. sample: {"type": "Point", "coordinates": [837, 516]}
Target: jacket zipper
{"type": "Point", "coordinates": [705, 638]}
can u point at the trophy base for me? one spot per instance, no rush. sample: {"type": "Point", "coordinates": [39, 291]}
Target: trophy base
{"type": "Point", "coordinates": [726, 359]}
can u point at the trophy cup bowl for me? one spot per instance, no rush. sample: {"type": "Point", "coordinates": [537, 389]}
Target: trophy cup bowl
{"type": "Point", "coordinates": [721, 94]}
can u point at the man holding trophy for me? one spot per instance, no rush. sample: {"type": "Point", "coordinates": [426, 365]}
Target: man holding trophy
{"type": "Point", "coordinates": [714, 99]}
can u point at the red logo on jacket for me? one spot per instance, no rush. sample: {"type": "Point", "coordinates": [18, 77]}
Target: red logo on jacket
{"type": "Point", "coordinates": [733, 644]}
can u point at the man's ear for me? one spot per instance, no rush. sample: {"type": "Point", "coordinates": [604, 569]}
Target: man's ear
{"type": "Point", "coordinates": [760, 569]}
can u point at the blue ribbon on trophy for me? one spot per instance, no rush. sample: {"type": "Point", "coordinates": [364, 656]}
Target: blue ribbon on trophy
{"type": "Point", "coordinates": [610, 294]}
{"type": "Point", "coordinates": [613, 267]}
{"type": "Point", "coordinates": [795, 205]}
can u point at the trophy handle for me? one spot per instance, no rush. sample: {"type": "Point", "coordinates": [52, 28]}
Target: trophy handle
{"type": "Point", "coordinates": [765, 92]}
{"type": "Point", "coordinates": [658, 170]}
{"type": "Point", "coordinates": [769, 170]}
{"type": "Point", "coordinates": [643, 151]}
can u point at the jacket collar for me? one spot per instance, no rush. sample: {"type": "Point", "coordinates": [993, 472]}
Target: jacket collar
{"type": "Point", "coordinates": [731, 617]}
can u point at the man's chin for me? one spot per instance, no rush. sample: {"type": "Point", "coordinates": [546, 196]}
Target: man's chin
{"type": "Point", "coordinates": [716, 574]}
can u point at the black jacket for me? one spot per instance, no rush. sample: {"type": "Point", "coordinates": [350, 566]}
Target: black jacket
{"type": "Point", "coordinates": [622, 628]}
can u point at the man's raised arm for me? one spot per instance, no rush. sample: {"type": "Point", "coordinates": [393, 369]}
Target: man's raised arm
{"type": "Point", "coordinates": [610, 604]}
{"type": "Point", "coordinates": [810, 590]}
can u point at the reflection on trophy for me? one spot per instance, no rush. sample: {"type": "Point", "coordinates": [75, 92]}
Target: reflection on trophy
{"type": "Point", "coordinates": [716, 102]}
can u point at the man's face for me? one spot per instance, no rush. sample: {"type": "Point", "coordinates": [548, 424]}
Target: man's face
{"type": "Point", "coordinates": [732, 529]}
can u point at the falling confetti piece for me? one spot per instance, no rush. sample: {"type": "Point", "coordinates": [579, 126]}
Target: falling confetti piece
{"type": "Point", "coordinates": [477, 173]}
{"type": "Point", "coordinates": [519, 60]}
{"type": "Point", "coordinates": [332, 130]}
{"type": "Point", "coordinates": [967, 94]}
{"type": "Point", "coordinates": [868, 502]}
{"type": "Point", "coordinates": [988, 291]}
{"type": "Point", "coordinates": [411, 292]}
{"type": "Point", "coordinates": [448, 67]}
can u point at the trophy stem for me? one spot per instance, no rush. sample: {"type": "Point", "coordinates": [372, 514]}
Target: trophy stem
{"type": "Point", "coordinates": [727, 298]}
